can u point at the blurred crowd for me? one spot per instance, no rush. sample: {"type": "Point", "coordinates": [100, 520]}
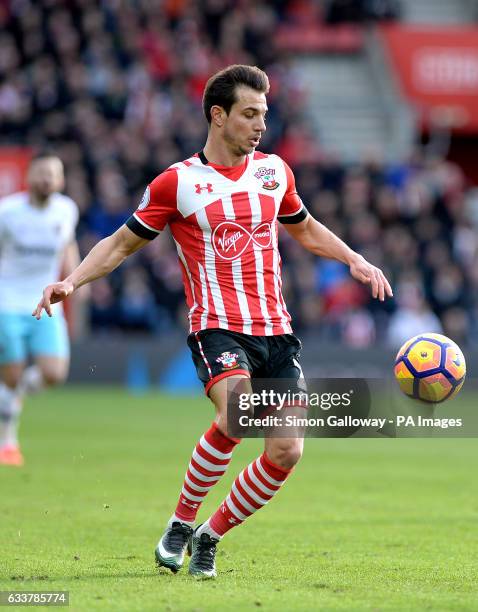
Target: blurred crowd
{"type": "Point", "coordinates": [360, 11]}
{"type": "Point", "coordinates": [418, 222]}
{"type": "Point", "coordinates": [115, 86]}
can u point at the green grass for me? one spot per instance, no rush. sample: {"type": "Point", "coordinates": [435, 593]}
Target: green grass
{"type": "Point", "coordinates": [361, 525]}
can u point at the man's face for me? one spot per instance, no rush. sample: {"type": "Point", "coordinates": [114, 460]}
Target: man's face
{"type": "Point", "coordinates": [245, 124]}
{"type": "Point", "coordinates": [45, 177]}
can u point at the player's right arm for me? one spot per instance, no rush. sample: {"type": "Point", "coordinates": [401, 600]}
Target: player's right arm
{"type": "Point", "coordinates": [103, 258]}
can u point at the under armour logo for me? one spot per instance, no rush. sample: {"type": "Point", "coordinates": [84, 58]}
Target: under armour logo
{"type": "Point", "coordinates": [193, 506]}
{"type": "Point", "coordinates": [199, 188]}
{"type": "Point", "coordinates": [232, 521]}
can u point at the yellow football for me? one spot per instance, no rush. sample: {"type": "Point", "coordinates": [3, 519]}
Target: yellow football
{"type": "Point", "coordinates": [430, 367]}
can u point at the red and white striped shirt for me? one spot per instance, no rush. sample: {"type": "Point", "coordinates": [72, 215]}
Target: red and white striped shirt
{"type": "Point", "coordinates": [224, 223]}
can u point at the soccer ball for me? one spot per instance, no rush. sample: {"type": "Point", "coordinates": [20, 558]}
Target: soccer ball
{"type": "Point", "coordinates": [430, 368]}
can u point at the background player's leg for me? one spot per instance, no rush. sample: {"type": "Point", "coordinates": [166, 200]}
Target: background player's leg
{"type": "Point", "coordinates": [47, 371]}
{"type": "Point", "coordinates": [47, 342]}
{"type": "Point", "coordinates": [49, 347]}
{"type": "Point", "coordinates": [10, 409]}
{"type": "Point", "coordinates": [11, 373]}
{"type": "Point", "coordinates": [13, 352]}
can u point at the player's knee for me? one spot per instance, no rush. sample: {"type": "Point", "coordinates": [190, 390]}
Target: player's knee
{"type": "Point", "coordinates": [12, 381]}
{"type": "Point", "coordinates": [12, 377]}
{"type": "Point", "coordinates": [292, 456]}
{"type": "Point", "coordinates": [222, 394]}
{"type": "Point", "coordinates": [286, 454]}
{"type": "Point", "coordinates": [51, 378]}
{"type": "Point", "coordinates": [221, 421]}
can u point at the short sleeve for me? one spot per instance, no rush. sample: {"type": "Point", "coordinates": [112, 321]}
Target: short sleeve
{"type": "Point", "coordinates": [74, 218]}
{"type": "Point", "coordinates": [2, 224]}
{"type": "Point", "coordinates": [292, 209]}
{"type": "Point", "coordinates": [3, 218]}
{"type": "Point", "coordinates": [157, 207]}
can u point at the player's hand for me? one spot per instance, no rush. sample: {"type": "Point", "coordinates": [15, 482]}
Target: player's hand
{"type": "Point", "coordinates": [52, 294]}
{"type": "Point", "coordinates": [368, 274]}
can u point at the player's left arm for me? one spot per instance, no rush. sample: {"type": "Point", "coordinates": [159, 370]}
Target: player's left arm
{"type": "Point", "coordinates": [317, 239]}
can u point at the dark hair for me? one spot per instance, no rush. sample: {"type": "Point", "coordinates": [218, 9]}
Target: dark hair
{"type": "Point", "coordinates": [220, 90]}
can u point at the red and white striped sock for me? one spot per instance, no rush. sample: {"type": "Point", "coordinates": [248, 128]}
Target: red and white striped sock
{"type": "Point", "coordinates": [209, 461]}
{"type": "Point", "coordinates": [251, 490]}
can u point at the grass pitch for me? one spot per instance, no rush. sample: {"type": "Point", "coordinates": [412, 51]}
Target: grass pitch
{"type": "Point", "coordinates": [361, 525]}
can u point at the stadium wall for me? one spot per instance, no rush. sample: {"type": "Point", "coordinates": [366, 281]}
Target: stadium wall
{"type": "Point", "coordinates": [142, 363]}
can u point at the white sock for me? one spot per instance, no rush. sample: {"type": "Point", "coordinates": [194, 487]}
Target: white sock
{"type": "Point", "coordinates": [10, 409]}
{"type": "Point", "coordinates": [206, 528]}
{"type": "Point", "coordinates": [31, 381]}
{"type": "Point", "coordinates": [175, 519]}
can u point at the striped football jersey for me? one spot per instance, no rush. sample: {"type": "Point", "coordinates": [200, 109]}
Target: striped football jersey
{"type": "Point", "coordinates": [224, 222]}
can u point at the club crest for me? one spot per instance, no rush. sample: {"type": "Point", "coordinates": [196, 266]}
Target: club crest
{"type": "Point", "coordinates": [266, 175]}
{"type": "Point", "coordinates": [228, 360]}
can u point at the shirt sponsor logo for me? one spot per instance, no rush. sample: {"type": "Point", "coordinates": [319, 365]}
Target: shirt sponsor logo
{"type": "Point", "coordinates": [266, 175]}
{"type": "Point", "coordinates": [34, 250]}
{"type": "Point", "coordinates": [228, 360]}
{"type": "Point", "coordinates": [230, 239]}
